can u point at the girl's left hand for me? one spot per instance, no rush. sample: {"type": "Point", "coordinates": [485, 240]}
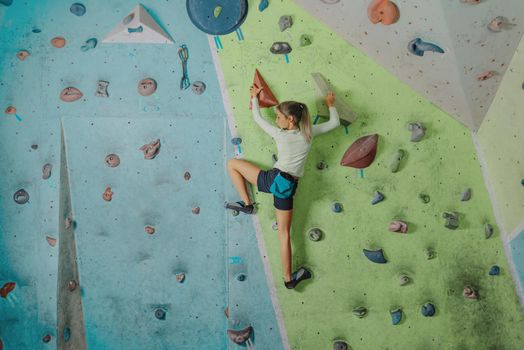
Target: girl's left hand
{"type": "Point", "coordinates": [255, 90]}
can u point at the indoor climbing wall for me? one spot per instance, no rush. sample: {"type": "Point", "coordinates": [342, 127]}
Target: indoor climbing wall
{"type": "Point", "coordinates": [458, 80]}
{"type": "Point", "coordinates": [144, 193]}
{"type": "Point", "coordinates": [452, 240]}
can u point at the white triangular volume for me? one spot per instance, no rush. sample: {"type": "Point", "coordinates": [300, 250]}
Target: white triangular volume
{"type": "Point", "coordinates": [138, 27]}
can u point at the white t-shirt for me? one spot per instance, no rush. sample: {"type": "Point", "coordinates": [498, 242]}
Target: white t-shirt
{"type": "Point", "coordinates": [291, 145]}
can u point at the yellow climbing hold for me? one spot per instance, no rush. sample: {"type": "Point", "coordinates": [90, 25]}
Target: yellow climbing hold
{"type": "Point", "coordinates": [217, 11]}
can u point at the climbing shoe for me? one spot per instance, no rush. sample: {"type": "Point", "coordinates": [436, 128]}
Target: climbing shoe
{"type": "Point", "coordinates": [241, 207]}
{"type": "Point", "coordinates": [297, 277]}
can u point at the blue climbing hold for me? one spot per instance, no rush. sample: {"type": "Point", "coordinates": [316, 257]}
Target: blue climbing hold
{"type": "Point", "coordinates": [428, 310]}
{"type": "Point", "coordinates": [396, 316]}
{"type": "Point", "coordinates": [379, 197]}
{"type": "Point", "coordinates": [241, 277]}
{"type": "Point", "coordinates": [522, 182]}
{"type": "Point", "coordinates": [67, 334]}
{"type": "Point", "coordinates": [78, 9]}
{"type": "Point", "coordinates": [36, 30]}
{"type": "Point", "coordinates": [89, 44]}
{"type": "Point", "coordinates": [6, 2]}
{"type": "Point", "coordinates": [494, 270]}
{"type": "Point", "coordinates": [418, 47]}
{"type": "Point", "coordinates": [236, 141]}
{"type": "Point", "coordinates": [201, 13]}
{"type": "Point", "coordinates": [160, 314]}
{"type": "Point", "coordinates": [336, 207]}
{"type": "Point", "coordinates": [377, 256]}
{"type": "Point", "coordinates": [263, 5]}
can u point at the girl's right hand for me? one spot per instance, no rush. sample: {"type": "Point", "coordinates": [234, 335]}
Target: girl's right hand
{"type": "Point", "coordinates": [330, 99]}
{"type": "Point", "coordinates": [255, 90]}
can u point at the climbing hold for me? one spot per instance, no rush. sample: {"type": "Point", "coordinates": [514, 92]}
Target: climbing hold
{"type": "Point", "coordinates": [108, 194]}
{"type": "Point", "coordinates": [383, 11]}
{"type": "Point", "coordinates": [424, 198]}
{"type": "Point", "coordinates": [35, 146]}
{"type": "Point", "coordinates": [6, 289]}
{"type": "Point", "coordinates": [494, 270]}
{"type": "Point", "coordinates": [51, 241]}
{"type": "Point", "coordinates": [6, 3]}
{"type": "Point", "coordinates": [226, 312]}
{"type": "Point", "coordinates": [58, 42]}
{"type": "Point", "coordinates": [151, 149]}
{"type": "Point", "coordinates": [398, 226]}
{"type": "Point", "coordinates": [22, 55]}
{"type": "Point", "coordinates": [430, 253]}
{"type": "Point", "coordinates": [488, 230]}
{"type": "Point", "coordinates": [280, 48]}
{"type": "Point", "coordinates": [89, 44]}
{"type": "Point", "coordinates": [46, 338]}
{"type": "Point", "coordinates": [198, 87]}
{"type": "Point", "coordinates": [36, 30]}
{"type": "Point", "coordinates": [112, 160]}
{"type": "Point", "coordinates": [340, 345]}
{"type": "Point", "coordinates": [471, 2]}
{"type": "Point", "coordinates": [336, 207]}
{"type": "Point", "coordinates": [274, 159]}
{"type": "Point", "coordinates": [418, 47]}
{"type": "Point", "coordinates": [236, 141]}
{"type": "Point", "coordinates": [403, 280]}
{"type": "Point", "coordinates": [10, 110]}
{"type": "Point", "coordinates": [417, 131]}
{"type": "Point", "coordinates": [160, 314]}
{"type": "Point", "coordinates": [138, 29]}
{"type": "Point", "coordinates": [321, 165]}
{"type": "Point", "coordinates": [180, 277]}
{"type": "Point", "coordinates": [263, 5]}
{"type": "Point", "coordinates": [241, 277]}
{"type": "Point", "coordinates": [486, 75]}
{"type": "Point", "coordinates": [71, 285]}
{"type": "Point", "coordinates": [101, 88]}
{"type": "Point", "coordinates": [149, 229]}
{"type": "Point", "coordinates": [68, 223]}
{"type": "Point", "coordinates": [466, 195]}
{"type": "Point", "coordinates": [315, 234]}
{"type": "Point", "coordinates": [428, 309]}
{"type": "Point", "coordinates": [377, 198]}
{"type": "Point", "coordinates": [70, 94]}
{"type": "Point", "coordinates": [78, 9]}
{"type": "Point", "coordinates": [67, 334]}
{"type": "Point", "coordinates": [305, 40]}
{"type": "Point", "coordinates": [361, 153]}
{"type": "Point", "coordinates": [395, 163]}
{"type": "Point", "coordinates": [360, 311]}
{"type": "Point", "coordinates": [396, 316]}
{"type": "Point", "coordinates": [46, 171]}
{"type": "Point", "coordinates": [217, 11]}
{"type": "Point", "coordinates": [187, 176]}
{"type": "Point", "coordinates": [376, 256]}
{"type": "Point", "coordinates": [266, 97]}
{"type": "Point", "coordinates": [205, 16]}
{"type": "Point", "coordinates": [469, 293]}
{"type": "Point", "coordinates": [196, 210]}
{"type": "Point", "coordinates": [452, 220]}
{"type": "Point", "coordinates": [498, 23]}
{"type": "Point", "coordinates": [21, 196]}
{"type": "Point", "coordinates": [146, 86]}
{"type": "Point", "coordinates": [285, 22]}
{"type": "Point", "coordinates": [240, 336]}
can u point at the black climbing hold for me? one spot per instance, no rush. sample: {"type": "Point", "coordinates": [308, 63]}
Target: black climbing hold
{"type": "Point", "coordinates": [396, 316]}
{"type": "Point", "coordinates": [36, 30]}
{"type": "Point", "coordinates": [321, 165]}
{"type": "Point", "coordinates": [21, 196]}
{"type": "Point", "coordinates": [46, 338]}
{"type": "Point", "coordinates": [403, 279]}
{"type": "Point", "coordinates": [315, 234]}
{"type": "Point", "coordinates": [160, 314]}
{"type": "Point", "coordinates": [231, 16]}
{"type": "Point", "coordinates": [78, 9]}
{"type": "Point", "coordinates": [428, 309]}
{"type": "Point", "coordinates": [488, 230]}
{"type": "Point", "coordinates": [494, 270]}
{"type": "Point", "coordinates": [522, 182]}
{"type": "Point", "coordinates": [360, 311]}
{"type": "Point", "coordinates": [452, 220]}
{"type": "Point", "coordinates": [424, 198]}
{"type": "Point", "coordinates": [280, 48]}
{"type": "Point", "coordinates": [198, 87]}
{"type": "Point", "coordinates": [236, 141]}
{"type": "Point", "coordinates": [376, 256]}
{"type": "Point", "coordinates": [466, 195]}
{"type": "Point", "coordinates": [340, 345]}
{"type": "Point", "coordinates": [35, 146]}
{"type": "Point", "coordinates": [241, 277]}
{"type": "Point", "coordinates": [430, 253]}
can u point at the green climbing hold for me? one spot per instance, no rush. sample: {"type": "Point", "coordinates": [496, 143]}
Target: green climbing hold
{"type": "Point", "coordinates": [424, 198]}
{"type": "Point", "coordinates": [305, 40]}
{"type": "Point", "coordinates": [395, 163]}
{"type": "Point", "coordinates": [217, 11]}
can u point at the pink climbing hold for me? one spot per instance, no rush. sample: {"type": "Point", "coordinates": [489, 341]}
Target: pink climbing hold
{"type": "Point", "coordinates": [108, 194]}
{"type": "Point", "coordinates": [71, 94]}
{"type": "Point", "coordinates": [398, 226]}
{"type": "Point", "coordinates": [196, 210]}
{"type": "Point", "coordinates": [486, 75]}
{"type": "Point", "coordinates": [149, 230]}
{"type": "Point", "coordinates": [151, 149]}
{"type": "Point", "coordinates": [51, 241]}
{"type": "Point", "coordinates": [22, 55]}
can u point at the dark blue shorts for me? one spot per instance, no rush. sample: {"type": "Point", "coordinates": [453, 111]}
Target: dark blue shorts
{"type": "Point", "coordinates": [264, 182]}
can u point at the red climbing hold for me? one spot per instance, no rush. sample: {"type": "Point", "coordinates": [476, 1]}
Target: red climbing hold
{"type": "Point", "coordinates": [6, 289]}
{"type": "Point", "coordinates": [361, 153]}
{"type": "Point", "coordinates": [266, 97]}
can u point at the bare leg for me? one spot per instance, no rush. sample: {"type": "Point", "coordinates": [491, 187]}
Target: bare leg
{"type": "Point", "coordinates": [284, 228]}
{"type": "Point", "coordinates": [239, 171]}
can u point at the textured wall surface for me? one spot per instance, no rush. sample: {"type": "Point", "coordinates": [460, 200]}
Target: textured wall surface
{"type": "Point", "coordinates": [442, 165]}
{"type": "Point", "coordinates": [448, 80]}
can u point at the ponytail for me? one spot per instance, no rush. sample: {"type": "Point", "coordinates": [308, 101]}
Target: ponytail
{"type": "Point", "coordinates": [300, 114]}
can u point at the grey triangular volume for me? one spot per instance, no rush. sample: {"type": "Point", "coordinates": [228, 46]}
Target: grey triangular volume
{"type": "Point", "coordinates": [322, 88]}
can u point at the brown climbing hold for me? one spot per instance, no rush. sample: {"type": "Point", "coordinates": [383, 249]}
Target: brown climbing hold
{"type": "Point", "coordinates": [187, 176]}
{"type": "Point", "coordinates": [240, 336]}
{"type": "Point", "coordinates": [58, 42]}
{"type": "Point", "coordinates": [147, 86]}
{"type": "Point", "coordinates": [361, 153]}
{"type": "Point", "coordinates": [46, 338]}
{"type": "Point", "coordinates": [7, 288]}
{"type": "Point", "coordinates": [266, 97]}
{"type": "Point", "coordinates": [226, 312]}
{"type": "Point", "coordinates": [22, 55]}
{"type": "Point", "coordinates": [10, 110]}
{"type": "Point", "coordinates": [196, 210]}
{"type": "Point", "coordinates": [51, 241]}
{"type": "Point", "coordinates": [112, 160]}
{"type": "Point", "coordinates": [71, 94]}
{"type": "Point", "coordinates": [383, 11]}
{"type": "Point", "coordinates": [149, 229]}
{"type": "Point", "coordinates": [71, 285]}
{"type": "Point", "coordinates": [108, 194]}
{"type": "Point", "coordinates": [151, 149]}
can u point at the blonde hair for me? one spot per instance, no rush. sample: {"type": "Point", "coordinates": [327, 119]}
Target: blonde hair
{"type": "Point", "coordinates": [300, 114]}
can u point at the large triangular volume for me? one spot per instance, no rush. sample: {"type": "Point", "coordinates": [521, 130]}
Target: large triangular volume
{"type": "Point", "coordinates": [266, 97]}
{"type": "Point", "coordinates": [322, 88]}
{"type": "Point", "coordinates": [138, 27]}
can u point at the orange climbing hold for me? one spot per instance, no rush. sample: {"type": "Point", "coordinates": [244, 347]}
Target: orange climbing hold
{"type": "Point", "coordinates": [266, 97]}
{"type": "Point", "coordinates": [383, 11]}
{"type": "Point", "coordinates": [58, 42]}
{"type": "Point", "coordinates": [7, 288]}
{"type": "Point", "coordinates": [22, 55]}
